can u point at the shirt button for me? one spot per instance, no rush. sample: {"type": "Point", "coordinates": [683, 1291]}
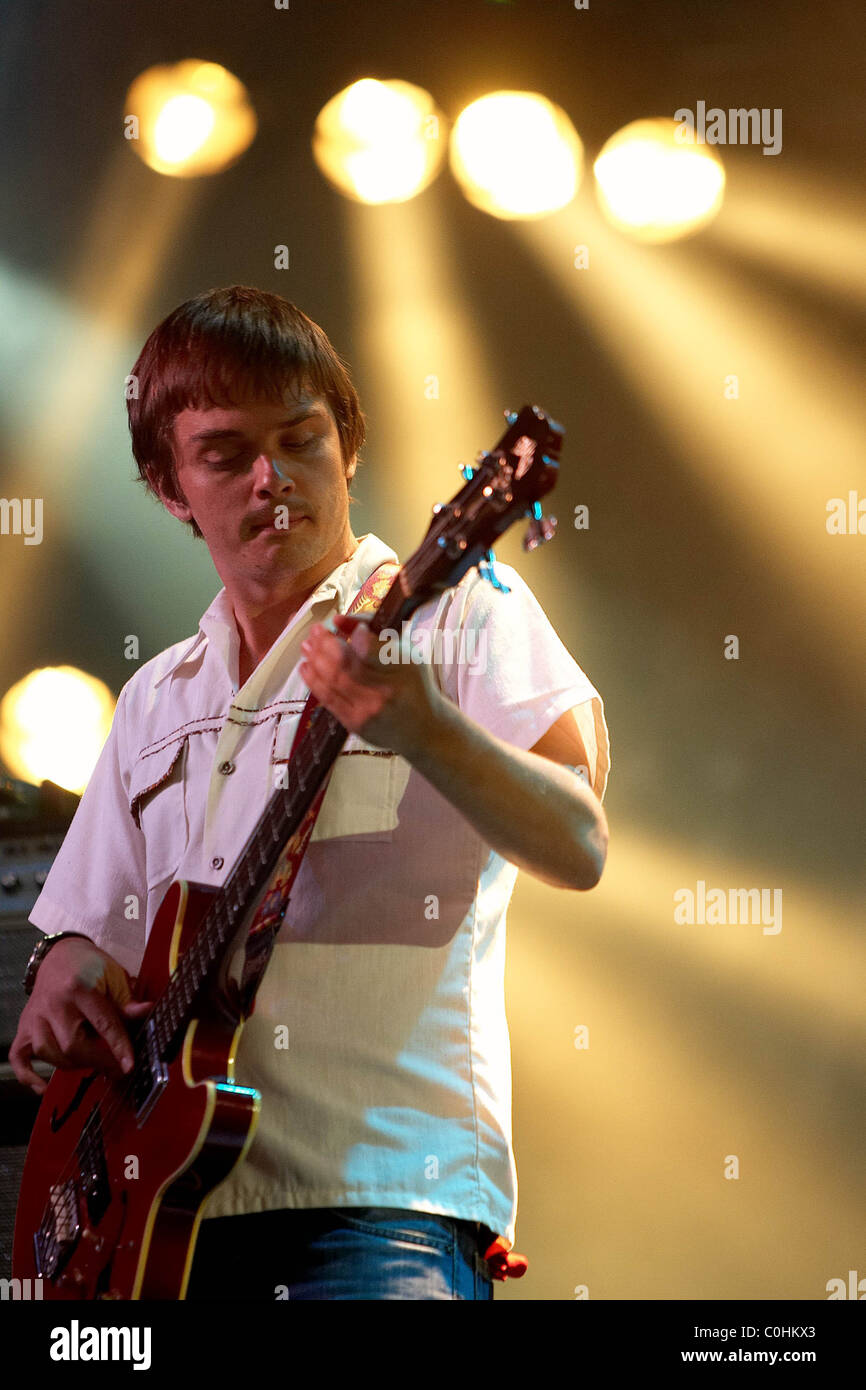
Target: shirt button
{"type": "Point", "coordinates": [217, 863]}
{"type": "Point", "coordinates": [226, 768]}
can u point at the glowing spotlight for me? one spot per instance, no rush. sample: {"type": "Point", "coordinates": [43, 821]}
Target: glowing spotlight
{"type": "Point", "coordinates": [182, 127]}
{"type": "Point", "coordinates": [53, 724]}
{"type": "Point", "coordinates": [516, 155]}
{"type": "Point", "coordinates": [380, 142]}
{"type": "Point", "coordinates": [189, 119]}
{"type": "Point", "coordinates": [654, 185]}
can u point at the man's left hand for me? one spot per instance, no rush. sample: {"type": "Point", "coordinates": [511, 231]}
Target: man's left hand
{"type": "Point", "coordinates": [389, 704]}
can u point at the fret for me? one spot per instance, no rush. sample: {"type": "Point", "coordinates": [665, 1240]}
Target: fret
{"type": "Point", "coordinates": [197, 965]}
{"type": "Point", "coordinates": [190, 973]}
{"type": "Point", "coordinates": [218, 920]}
{"type": "Point", "coordinates": [192, 962]}
{"type": "Point", "coordinates": [227, 922]}
{"type": "Point", "coordinates": [317, 742]}
{"type": "Point", "coordinates": [222, 917]}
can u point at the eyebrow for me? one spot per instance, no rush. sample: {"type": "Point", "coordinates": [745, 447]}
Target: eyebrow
{"type": "Point", "coordinates": [205, 435]}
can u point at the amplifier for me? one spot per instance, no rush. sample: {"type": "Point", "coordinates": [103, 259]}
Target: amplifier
{"type": "Point", "coordinates": [33, 823]}
{"type": "Point", "coordinates": [24, 865]}
{"type": "Point", "coordinates": [18, 1107]}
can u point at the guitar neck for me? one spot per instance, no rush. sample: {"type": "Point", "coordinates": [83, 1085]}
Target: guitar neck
{"type": "Point", "coordinates": [313, 757]}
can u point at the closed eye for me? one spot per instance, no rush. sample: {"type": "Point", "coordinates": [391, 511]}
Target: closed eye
{"type": "Point", "coordinates": [236, 459]}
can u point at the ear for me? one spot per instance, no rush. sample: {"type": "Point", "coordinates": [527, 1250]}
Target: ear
{"type": "Point", "coordinates": [179, 509]}
{"type": "Point", "coordinates": [351, 468]}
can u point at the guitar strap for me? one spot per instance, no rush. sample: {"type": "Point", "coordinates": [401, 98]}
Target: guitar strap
{"type": "Point", "coordinates": [266, 924]}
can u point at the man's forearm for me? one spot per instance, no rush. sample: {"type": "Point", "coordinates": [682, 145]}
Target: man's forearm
{"type": "Point", "coordinates": [534, 812]}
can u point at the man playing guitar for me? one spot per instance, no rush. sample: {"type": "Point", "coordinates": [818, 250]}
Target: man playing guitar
{"type": "Point", "coordinates": [382, 1164]}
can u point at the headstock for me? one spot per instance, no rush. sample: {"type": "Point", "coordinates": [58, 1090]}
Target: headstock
{"type": "Point", "coordinates": [502, 485]}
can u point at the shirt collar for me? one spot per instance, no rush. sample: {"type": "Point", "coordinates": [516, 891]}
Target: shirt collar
{"type": "Point", "coordinates": [217, 624]}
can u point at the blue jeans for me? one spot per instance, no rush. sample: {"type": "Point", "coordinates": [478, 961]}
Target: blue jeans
{"type": "Point", "coordinates": [339, 1253]}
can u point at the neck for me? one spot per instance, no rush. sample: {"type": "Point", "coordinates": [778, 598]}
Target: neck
{"type": "Point", "coordinates": [262, 613]}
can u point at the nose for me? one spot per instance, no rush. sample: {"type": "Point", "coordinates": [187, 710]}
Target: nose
{"type": "Point", "coordinates": [272, 476]}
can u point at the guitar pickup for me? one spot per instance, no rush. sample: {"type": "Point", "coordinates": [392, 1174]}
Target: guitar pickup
{"type": "Point", "coordinates": [151, 1073]}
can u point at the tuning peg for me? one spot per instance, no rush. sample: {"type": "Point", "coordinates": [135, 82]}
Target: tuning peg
{"type": "Point", "coordinates": [510, 416]}
{"type": "Point", "coordinates": [467, 470]}
{"type": "Point", "coordinates": [486, 570]}
{"type": "Point", "coordinates": [540, 528]}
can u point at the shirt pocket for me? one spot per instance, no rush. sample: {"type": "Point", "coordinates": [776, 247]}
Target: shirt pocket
{"type": "Point", "coordinates": [364, 794]}
{"type": "Point", "coordinates": [157, 803]}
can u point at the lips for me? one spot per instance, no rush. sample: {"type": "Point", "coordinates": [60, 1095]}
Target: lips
{"type": "Point", "coordinates": [271, 524]}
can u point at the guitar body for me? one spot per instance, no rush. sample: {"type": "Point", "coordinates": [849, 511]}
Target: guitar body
{"type": "Point", "coordinates": [115, 1177]}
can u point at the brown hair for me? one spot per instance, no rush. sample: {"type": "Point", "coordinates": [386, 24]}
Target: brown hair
{"type": "Point", "coordinates": [222, 342]}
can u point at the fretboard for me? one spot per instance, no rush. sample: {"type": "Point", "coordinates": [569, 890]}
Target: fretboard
{"type": "Point", "coordinates": [315, 754]}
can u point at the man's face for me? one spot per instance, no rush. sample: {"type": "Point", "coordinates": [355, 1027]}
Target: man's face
{"type": "Point", "coordinates": [265, 483]}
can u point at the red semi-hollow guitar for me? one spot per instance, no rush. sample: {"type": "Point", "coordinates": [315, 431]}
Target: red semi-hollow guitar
{"type": "Point", "coordinates": [118, 1170]}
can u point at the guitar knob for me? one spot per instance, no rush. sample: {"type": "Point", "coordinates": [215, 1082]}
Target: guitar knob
{"type": "Point", "coordinates": [510, 415]}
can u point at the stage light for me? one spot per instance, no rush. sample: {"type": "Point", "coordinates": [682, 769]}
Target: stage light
{"type": "Point", "coordinates": [53, 724]}
{"type": "Point", "coordinates": [189, 118]}
{"type": "Point", "coordinates": [380, 142]}
{"type": "Point", "coordinates": [516, 155]}
{"type": "Point", "coordinates": [654, 185]}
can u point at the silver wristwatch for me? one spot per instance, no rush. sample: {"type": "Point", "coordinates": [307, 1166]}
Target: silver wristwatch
{"type": "Point", "coordinates": [40, 951]}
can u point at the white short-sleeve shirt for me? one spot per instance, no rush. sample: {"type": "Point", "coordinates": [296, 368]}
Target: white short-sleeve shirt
{"type": "Point", "coordinates": [387, 979]}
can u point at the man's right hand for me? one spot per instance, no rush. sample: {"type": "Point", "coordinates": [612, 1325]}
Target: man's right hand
{"type": "Point", "coordinates": [77, 1015]}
